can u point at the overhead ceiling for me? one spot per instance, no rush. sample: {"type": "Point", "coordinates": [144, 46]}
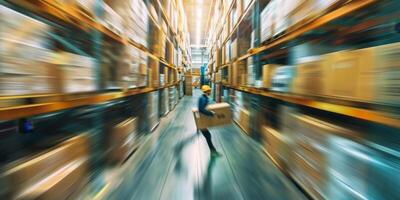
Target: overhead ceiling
{"type": "Point", "coordinates": [198, 16]}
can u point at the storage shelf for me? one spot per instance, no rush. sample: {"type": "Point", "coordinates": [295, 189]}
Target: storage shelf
{"type": "Point", "coordinates": [238, 22]}
{"type": "Point", "coordinates": [341, 11]}
{"type": "Point", "coordinates": [221, 27]}
{"type": "Point", "coordinates": [166, 18]}
{"type": "Point", "coordinates": [81, 20]}
{"type": "Point", "coordinates": [359, 113]}
{"type": "Point", "coordinates": [65, 101]}
{"type": "Point", "coordinates": [167, 21]}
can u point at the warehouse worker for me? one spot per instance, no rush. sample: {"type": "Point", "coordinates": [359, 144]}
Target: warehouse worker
{"type": "Point", "coordinates": [203, 102]}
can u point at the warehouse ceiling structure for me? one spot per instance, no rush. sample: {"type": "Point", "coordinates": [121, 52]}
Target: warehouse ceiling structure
{"type": "Point", "coordinates": [198, 18]}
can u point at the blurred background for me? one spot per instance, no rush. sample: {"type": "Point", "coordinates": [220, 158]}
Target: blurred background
{"type": "Point", "coordinates": [85, 85]}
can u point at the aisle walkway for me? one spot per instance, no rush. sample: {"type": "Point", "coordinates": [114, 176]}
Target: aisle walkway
{"type": "Point", "coordinates": [179, 167]}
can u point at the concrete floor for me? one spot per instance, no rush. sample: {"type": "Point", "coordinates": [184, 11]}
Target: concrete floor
{"type": "Point", "coordinates": [178, 165]}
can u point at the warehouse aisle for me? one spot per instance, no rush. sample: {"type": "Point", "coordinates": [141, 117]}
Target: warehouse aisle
{"type": "Point", "coordinates": [179, 165]}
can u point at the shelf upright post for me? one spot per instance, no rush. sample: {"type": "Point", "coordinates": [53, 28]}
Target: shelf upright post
{"type": "Point", "coordinates": [256, 28]}
{"type": "Point", "coordinates": [97, 41]}
{"type": "Point", "coordinates": [255, 111]}
{"type": "Point", "coordinates": [97, 133]}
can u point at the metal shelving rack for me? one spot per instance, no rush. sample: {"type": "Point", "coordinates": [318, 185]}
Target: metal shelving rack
{"type": "Point", "coordinates": [49, 10]}
{"type": "Point", "coordinates": [270, 109]}
{"type": "Point", "coordinates": [289, 35]}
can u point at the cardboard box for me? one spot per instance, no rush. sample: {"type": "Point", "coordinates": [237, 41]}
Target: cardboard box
{"type": "Point", "coordinates": [154, 70]}
{"type": "Point", "coordinates": [267, 19]}
{"type": "Point", "coordinates": [22, 28]}
{"type": "Point", "coordinates": [223, 55]}
{"type": "Point", "coordinates": [308, 175]}
{"type": "Point", "coordinates": [223, 116]}
{"type": "Point", "coordinates": [310, 78]}
{"type": "Point", "coordinates": [300, 10]}
{"type": "Point", "coordinates": [244, 120]}
{"type": "Point", "coordinates": [281, 20]}
{"type": "Point", "coordinates": [218, 76]}
{"type": "Point", "coordinates": [121, 131]}
{"type": "Point", "coordinates": [387, 72]}
{"type": "Point", "coordinates": [58, 185]}
{"type": "Point", "coordinates": [54, 171]}
{"type": "Point", "coordinates": [234, 48]}
{"type": "Point", "coordinates": [282, 79]}
{"type": "Point", "coordinates": [239, 73]}
{"type": "Point", "coordinates": [228, 52]}
{"type": "Point", "coordinates": [267, 72]}
{"type": "Point", "coordinates": [350, 74]}
{"type": "Point", "coordinates": [275, 144]}
{"type": "Point", "coordinates": [188, 91]}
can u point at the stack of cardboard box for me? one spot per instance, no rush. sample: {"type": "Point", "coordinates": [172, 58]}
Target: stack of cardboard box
{"type": "Point", "coordinates": [251, 75]}
{"type": "Point", "coordinates": [113, 68]}
{"type": "Point", "coordinates": [53, 174]}
{"type": "Point", "coordinates": [279, 15]}
{"type": "Point", "coordinates": [164, 102]}
{"type": "Point", "coordinates": [310, 78]}
{"type": "Point", "coordinates": [299, 10]}
{"type": "Point", "coordinates": [153, 109]}
{"type": "Point", "coordinates": [239, 73]}
{"type": "Point", "coordinates": [268, 71]}
{"type": "Point", "coordinates": [25, 62]}
{"type": "Point", "coordinates": [137, 62]}
{"type": "Point", "coordinates": [282, 79]}
{"type": "Point", "coordinates": [268, 21]}
{"type": "Point", "coordinates": [218, 57]}
{"type": "Point", "coordinates": [234, 49]}
{"type": "Point", "coordinates": [387, 73]}
{"type": "Point", "coordinates": [155, 38]}
{"type": "Point", "coordinates": [188, 84]}
{"type": "Point", "coordinates": [275, 145]}
{"type": "Point", "coordinates": [218, 92]}
{"type": "Point", "coordinates": [173, 98]}
{"type": "Point", "coordinates": [153, 71]}
{"type": "Point", "coordinates": [228, 51]}
{"type": "Point", "coordinates": [86, 5]}
{"type": "Point", "coordinates": [162, 79]}
{"type": "Point", "coordinates": [74, 72]}
{"type": "Point", "coordinates": [135, 19]}
{"type": "Point", "coordinates": [244, 120]}
{"type": "Point", "coordinates": [112, 20]}
{"type": "Point", "coordinates": [310, 152]}
{"type": "Point", "coordinates": [169, 53]}
{"type": "Point", "coordinates": [122, 138]}
{"type": "Point", "coordinates": [243, 44]}
{"type": "Point", "coordinates": [25, 69]}
{"type": "Point", "coordinates": [366, 75]}
{"type": "Point", "coordinates": [218, 76]}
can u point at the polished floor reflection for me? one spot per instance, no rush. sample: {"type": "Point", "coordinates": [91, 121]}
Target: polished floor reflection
{"type": "Point", "coordinates": [178, 165]}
